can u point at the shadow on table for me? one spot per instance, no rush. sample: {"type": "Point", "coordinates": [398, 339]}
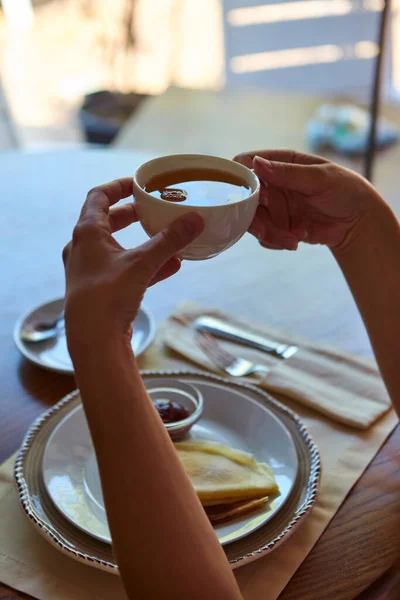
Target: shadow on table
{"type": "Point", "coordinates": [45, 386]}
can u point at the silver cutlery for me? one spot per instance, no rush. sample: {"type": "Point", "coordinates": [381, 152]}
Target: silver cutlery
{"type": "Point", "coordinates": [225, 361]}
{"type": "Point", "coordinates": [40, 331]}
{"type": "Point", "coordinates": [224, 330]}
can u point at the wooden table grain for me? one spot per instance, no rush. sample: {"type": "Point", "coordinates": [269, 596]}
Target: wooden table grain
{"type": "Point", "coordinates": [303, 292]}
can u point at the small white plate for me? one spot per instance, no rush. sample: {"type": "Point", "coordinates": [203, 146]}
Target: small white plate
{"type": "Point", "coordinates": [230, 416]}
{"type": "Point", "coordinates": [53, 354]}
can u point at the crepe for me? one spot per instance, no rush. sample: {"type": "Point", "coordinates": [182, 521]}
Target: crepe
{"type": "Point", "coordinates": [225, 512]}
{"type": "Point", "coordinates": [223, 475]}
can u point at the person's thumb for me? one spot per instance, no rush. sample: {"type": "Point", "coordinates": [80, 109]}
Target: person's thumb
{"type": "Point", "coordinates": [306, 179]}
{"type": "Point", "coordinates": [173, 239]}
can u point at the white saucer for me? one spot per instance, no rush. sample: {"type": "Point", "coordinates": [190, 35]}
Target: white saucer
{"type": "Point", "coordinates": [230, 416]}
{"type": "Point", "coordinates": [53, 354]}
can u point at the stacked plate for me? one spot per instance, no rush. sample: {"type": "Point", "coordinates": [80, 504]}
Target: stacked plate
{"type": "Point", "coordinates": [60, 490]}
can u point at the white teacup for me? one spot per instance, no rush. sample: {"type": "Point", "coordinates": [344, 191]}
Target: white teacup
{"type": "Point", "coordinates": [224, 224]}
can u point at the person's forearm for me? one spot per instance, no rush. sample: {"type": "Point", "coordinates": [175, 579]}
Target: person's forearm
{"type": "Point", "coordinates": [370, 262]}
{"type": "Point", "coordinates": [164, 544]}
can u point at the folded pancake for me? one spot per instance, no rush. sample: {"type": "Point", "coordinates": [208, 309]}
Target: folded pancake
{"type": "Point", "coordinates": [225, 512]}
{"type": "Point", "coordinates": [223, 475]}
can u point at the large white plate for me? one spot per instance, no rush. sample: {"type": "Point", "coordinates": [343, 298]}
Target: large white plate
{"type": "Point", "coordinates": [230, 416]}
{"type": "Point", "coordinates": [85, 548]}
{"type": "Point", "coordinates": [53, 354]}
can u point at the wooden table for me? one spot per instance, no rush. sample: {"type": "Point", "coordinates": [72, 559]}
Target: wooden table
{"type": "Point", "coordinates": [302, 291]}
{"type": "Point", "coordinates": [229, 121]}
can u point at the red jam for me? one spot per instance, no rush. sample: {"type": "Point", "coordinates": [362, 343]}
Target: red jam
{"type": "Point", "coordinates": [171, 412]}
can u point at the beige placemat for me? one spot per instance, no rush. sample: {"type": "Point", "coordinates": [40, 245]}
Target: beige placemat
{"type": "Point", "coordinates": [29, 564]}
{"type": "Point", "coordinates": [345, 387]}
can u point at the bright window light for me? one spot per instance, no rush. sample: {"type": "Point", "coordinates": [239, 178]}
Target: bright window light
{"type": "Point", "coordinates": [374, 5]}
{"type": "Point", "coordinates": [295, 11]}
{"type": "Point", "coordinates": [296, 57]}
{"type": "Point", "coordinates": [366, 49]}
{"type": "Point", "coordinates": [288, 11]}
{"type": "Point", "coordinates": [18, 13]}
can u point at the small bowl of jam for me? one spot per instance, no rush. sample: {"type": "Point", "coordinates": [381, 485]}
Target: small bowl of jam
{"type": "Point", "coordinates": [179, 404]}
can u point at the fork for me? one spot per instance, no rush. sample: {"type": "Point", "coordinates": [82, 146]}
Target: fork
{"type": "Point", "coordinates": [224, 360]}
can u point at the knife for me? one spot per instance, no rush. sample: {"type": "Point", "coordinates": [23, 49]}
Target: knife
{"type": "Point", "coordinates": [224, 330]}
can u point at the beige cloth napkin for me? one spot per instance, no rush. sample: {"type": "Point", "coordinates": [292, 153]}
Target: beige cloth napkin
{"type": "Point", "coordinates": [347, 388]}
{"type": "Point", "coordinates": [30, 564]}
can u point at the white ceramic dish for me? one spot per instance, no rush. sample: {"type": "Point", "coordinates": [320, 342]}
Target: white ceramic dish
{"type": "Point", "coordinates": [71, 540]}
{"type": "Point", "coordinates": [229, 416]}
{"type": "Point", "coordinates": [183, 393]}
{"type": "Point", "coordinates": [224, 224]}
{"type": "Point", "coordinates": [53, 354]}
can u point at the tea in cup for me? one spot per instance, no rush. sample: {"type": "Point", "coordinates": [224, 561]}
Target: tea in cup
{"type": "Point", "coordinates": [224, 192]}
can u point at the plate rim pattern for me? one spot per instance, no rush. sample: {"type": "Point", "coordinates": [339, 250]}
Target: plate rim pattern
{"type": "Point", "coordinates": [56, 538]}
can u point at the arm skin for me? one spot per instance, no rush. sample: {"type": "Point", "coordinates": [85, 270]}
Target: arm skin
{"type": "Point", "coordinates": [164, 544]}
{"type": "Point", "coordinates": [307, 198]}
{"type": "Point", "coordinates": [370, 262]}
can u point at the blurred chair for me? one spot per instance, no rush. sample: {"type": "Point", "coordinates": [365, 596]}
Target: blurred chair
{"type": "Point", "coordinates": [333, 47]}
{"type": "Point", "coordinates": [376, 92]}
{"type": "Point", "coordinates": [321, 47]}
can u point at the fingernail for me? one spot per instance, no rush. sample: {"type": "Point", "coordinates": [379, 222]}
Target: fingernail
{"type": "Point", "coordinates": [242, 158]}
{"type": "Point", "coordinates": [263, 164]}
{"type": "Point", "coordinates": [290, 243]}
{"type": "Point", "coordinates": [193, 223]}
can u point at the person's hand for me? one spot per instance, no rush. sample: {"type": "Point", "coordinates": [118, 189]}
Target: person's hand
{"type": "Point", "coordinates": [305, 198]}
{"type": "Point", "coordinates": [105, 283]}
